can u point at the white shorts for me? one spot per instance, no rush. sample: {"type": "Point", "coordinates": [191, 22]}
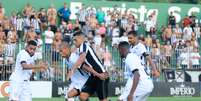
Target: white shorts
{"type": "Point", "coordinates": [20, 91]}
{"type": "Point", "coordinates": [138, 95]}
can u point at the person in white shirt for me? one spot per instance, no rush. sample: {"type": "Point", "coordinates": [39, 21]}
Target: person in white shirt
{"type": "Point", "coordinates": [80, 76]}
{"type": "Point", "coordinates": [20, 89]}
{"type": "Point", "coordinates": [140, 50]}
{"type": "Point", "coordinates": [139, 84]}
{"type": "Point", "coordinates": [195, 56]}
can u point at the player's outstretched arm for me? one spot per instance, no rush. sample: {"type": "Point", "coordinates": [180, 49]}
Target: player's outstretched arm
{"type": "Point", "coordinates": [153, 66]}
{"type": "Point", "coordinates": [136, 78]}
{"type": "Point", "coordinates": [31, 66]}
{"type": "Point", "coordinates": [102, 76]}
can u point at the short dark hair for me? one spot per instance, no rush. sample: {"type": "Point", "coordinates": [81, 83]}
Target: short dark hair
{"type": "Point", "coordinates": [134, 33]}
{"type": "Point", "coordinates": [32, 42]}
{"type": "Point", "coordinates": [78, 33]}
{"type": "Point", "coordinates": [124, 44]}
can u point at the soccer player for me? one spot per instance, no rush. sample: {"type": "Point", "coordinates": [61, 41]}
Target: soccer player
{"type": "Point", "coordinates": [140, 50]}
{"type": "Point", "coordinates": [139, 85]}
{"type": "Point", "coordinates": [89, 57]}
{"type": "Point", "coordinates": [80, 76]}
{"type": "Point", "coordinates": [20, 89]}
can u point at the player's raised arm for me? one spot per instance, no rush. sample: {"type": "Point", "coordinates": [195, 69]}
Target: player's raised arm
{"type": "Point", "coordinates": [30, 48]}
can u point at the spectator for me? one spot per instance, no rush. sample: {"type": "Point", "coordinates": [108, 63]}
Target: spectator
{"type": "Point", "coordinates": [184, 57]}
{"type": "Point", "coordinates": [2, 12]}
{"type": "Point", "coordinates": [64, 13]}
{"type": "Point", "coordinates": [193, 19]}
{"type": "Point", "coordinates": [197, 32]}
{"type": "Point", "coordinates": [148, 24]}
{"type": "Point", "coordinates": [19, 27]}
{"type": "Point", "coordinates": [13, 19]}
{"type": "Point", "coordinates": [2, 36]}
{"type": "Point", "coordinates": [148, 43]}
{"type": "Point", "coordinates": [43, 19]}
{"type": "Point", "coordinates": [31, 35]}
{"type": "Point", "coordinates": [39, 49]}
{"type": "Point", "coordinates": [186, 21]}
{"type": "Point", "coordinates": [178, 31]}
{"type": "Point", "coordinates": [49, 36]}
{"type": "Point", "coordinates": [52, 15]}
{"type": "Point", "coordinates": [195, 57]}
{"type": "Point", "coordinates": [167, 34]}
{"type": "Point", "coordinates": [168, 51]}
{"type": "Point", "coordinates": [82, 14]}
{"type": "Point", "coordinates": [34, 21]}
{"type": "Point", "coordinates": [187, 31]}
{"type": "Point", "coordinates": [100, 15]}
{"type": "Point", "coordinates": [172, 20]}
{"type": "Point", "coordinates": [27, 11]}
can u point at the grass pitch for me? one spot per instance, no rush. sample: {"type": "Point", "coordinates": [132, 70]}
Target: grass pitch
{"type": "Point", "coordinates": [115, 99]}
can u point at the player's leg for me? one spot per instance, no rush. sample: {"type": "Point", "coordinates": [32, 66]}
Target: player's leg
{"type": "Point", "coordinates": [101, 89]}
{"type": "Point", "coordinates": [26, 92]}
{"type": "Point", "coordinates": [87, 90]}
{"type": "Point", "coordinates": [71, 94]}
{"type": "Point", "coordinates": [14, 91]}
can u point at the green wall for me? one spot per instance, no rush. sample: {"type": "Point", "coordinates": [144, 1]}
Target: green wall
{"type": "Point", "coordinates": [17, 5]}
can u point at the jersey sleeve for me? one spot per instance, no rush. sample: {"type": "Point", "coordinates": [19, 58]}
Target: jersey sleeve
{"type": "Point", "coordinates": [133, 65]}
{"type": "Point", "coordinates": [23, 58]}
{"type": "Point", "coordinates": [83, 48]}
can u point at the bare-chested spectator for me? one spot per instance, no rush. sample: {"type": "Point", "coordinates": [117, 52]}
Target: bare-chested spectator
{"type": "Point", "coordinates": [52, 15]}
{"type": "Point", "coordinates": [58, 35]}
{"type": "Point", "coordinates": [168, 51]}
{"type": "Point", "coordinates": [31, 35]}
{"type": "Point", "coordinates": [167, 34]}
{"type": "Point", "coordinates": [178, 31]}
{"type": "Point", "coordinates": [6, 25]}
{"type": "Point", "coordinates": [2, 12]}
{"type": "Point", "coordinates": [28, 9]}
{"type": "Point", "coordinates": [2, 46]}
{"type": "Point", "coordinates": [92, 23]}
{"type": "Point", "coordinates": [2, 36]}
{"type": "Point", "coordinates": [155, 54]}
{"type": "Point", "coordinates": [55, 51]}
{"type": "Point", "coordinates": [12, 35]}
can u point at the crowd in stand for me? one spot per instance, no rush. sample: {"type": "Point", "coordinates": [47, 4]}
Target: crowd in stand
{"type": "Point", "coordinates": [103, 30]}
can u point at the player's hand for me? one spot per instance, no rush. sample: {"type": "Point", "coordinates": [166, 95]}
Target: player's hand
{"type": "Point", "coordinates": [156, 73]}
{"type": "Point", "coordinates": [43, 66]}
{"type": "Point", "coordinates": [130, 97]}
{"type": "Point", "coordinates": [102, 76]}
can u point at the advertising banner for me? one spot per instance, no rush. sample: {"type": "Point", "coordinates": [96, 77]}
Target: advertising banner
{"type": "Point", "coordinates": [39, 89]}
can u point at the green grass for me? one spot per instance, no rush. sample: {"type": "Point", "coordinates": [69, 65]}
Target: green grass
{"type": "Point", "coordinates": [115, 99]}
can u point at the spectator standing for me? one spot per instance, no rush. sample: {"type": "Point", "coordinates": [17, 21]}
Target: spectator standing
{"type": "Point", "coordinates": [195, 57]}
{"type": "Point", "coordinates": [172, 20]}
{"type": "Point", "coordinates": [64, 13]}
